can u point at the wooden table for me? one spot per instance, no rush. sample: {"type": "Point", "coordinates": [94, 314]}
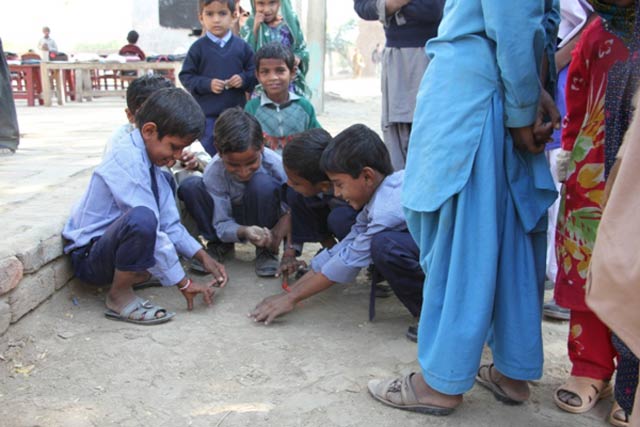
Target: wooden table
{"type": "Point", "coordinates": [30, 77]}
{"type": "Point", "coordinates": [82, 70]}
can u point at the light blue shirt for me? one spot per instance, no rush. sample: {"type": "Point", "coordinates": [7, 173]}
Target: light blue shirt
{"type": "Point", "coordinates": [383, 212]}
{"type": "Point", "coordinates": [484, 48]}
{"type": "Point", "coordinates": [121, 182]}
{"type": "Point", "coordinates": [220, 41]}
{"type": "Point", "coordinates": [227, 191]}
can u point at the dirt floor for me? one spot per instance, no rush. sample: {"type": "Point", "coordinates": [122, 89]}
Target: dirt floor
{"type": "Point", "coordinates": [64, 364]}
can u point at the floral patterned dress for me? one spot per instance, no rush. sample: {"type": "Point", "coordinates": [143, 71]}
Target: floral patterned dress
{"type": "Point", "coordinates": [583, 135]}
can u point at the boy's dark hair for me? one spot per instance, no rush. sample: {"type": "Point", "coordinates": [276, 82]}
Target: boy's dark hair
{"type": "Point", "coordinates": [230, 3]}
{"type": "Point", "coordinates": [275, 50]}
{"type": "Point", "coordinates": [142, 87]}
{"type": "Point", "coordinates": [355, 148]}
{"type": "Point", "coordinates": [302, 154]}
{"type": "Point", "coordinates": [174, 112]}
{"type": "Point", "coordinates": [132, 37]}
{"type": "Point", "coordinates": [236, 131]}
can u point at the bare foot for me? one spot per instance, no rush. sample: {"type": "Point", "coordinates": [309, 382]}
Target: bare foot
{"type": "Point", "coordinates": [516, 390]}
{"type": "Point", "coordinates": [429, 396]}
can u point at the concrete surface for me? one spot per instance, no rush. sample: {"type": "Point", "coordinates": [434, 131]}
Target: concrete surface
{"type": "Point", "coordinates": [64, 364]}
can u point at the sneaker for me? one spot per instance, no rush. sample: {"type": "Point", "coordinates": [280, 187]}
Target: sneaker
{"type": "Point", "coordinates": [412, 333]}
{"type": "Point", "coordinates": [266, 263]}
{"type": "Point", "coordinates": [220, 251]}
{"type": "Point", "coordinates": [554, 311]}
{"type": "Point", "coordinates": [383, 290]}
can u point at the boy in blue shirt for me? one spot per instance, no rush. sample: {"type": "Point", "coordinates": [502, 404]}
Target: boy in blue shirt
{"type": "Point", "coordinates": [358, 165]}
{"type": "Point", "coordinates": [316, 214]}
{"type": "Point", "coordinates": [281, 113]}
{"type": "Point", "coordinates": [126, 226]}
{"type": "Point", "coordinates": [219, 67]}
{"type": "Point", "coordinates": [240, 196]}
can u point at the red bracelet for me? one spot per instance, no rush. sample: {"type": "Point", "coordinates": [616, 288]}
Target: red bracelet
{"type": "Point", "coordinates": [185, 286]}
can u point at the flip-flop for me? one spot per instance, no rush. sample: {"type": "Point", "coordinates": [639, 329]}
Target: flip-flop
{"type": "Point", "coordinates": [587, 389]}
{"type": "Point", "coordinates": [485, 379]}
{"type": "Point", "coordinates": [618, 417]}
{"type": "Point", "coordinates": [399, 393]}
{"type": "Point", "coordinates": [140, 312]}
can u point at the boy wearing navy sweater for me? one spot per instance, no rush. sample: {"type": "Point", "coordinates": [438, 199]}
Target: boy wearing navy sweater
{"type": "Point", "coordinates": [219, 67]}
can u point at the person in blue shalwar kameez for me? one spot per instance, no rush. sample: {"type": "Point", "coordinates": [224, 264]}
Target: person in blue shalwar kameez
{"type": "Point", "coordinates": [476, 191]}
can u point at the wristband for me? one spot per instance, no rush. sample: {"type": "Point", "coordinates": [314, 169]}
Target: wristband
{"type": "Point", "coordinates": [183, 288]}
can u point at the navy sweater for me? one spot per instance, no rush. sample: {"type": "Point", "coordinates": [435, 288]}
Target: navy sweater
{"type": "Point", "coordinates": [206, 61]}
{"type": "Point", "coordinates": [421, 17]}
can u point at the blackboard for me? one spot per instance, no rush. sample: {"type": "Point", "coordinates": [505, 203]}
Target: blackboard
{"type": "Point", "coordinates": [179, 14]}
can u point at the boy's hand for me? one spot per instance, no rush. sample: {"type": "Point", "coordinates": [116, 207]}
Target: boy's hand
{"type": "Point", "coordinates": [524, 140]}
{"type": "Point", "coordinates": [272, 307]}
{"type": "Point", "coordinates": [235, 82]}
{"type": "Point", "coordinates": [217, 86]}
{"type": "Point", "coordinates": [194, 289]}
{"type": "Point", "coordinates": [257, 20]}
{"type": "Point", "coordinates": [189, 161]}
{"type": "Point", "coordinates": [547, 119]}
{"type": "Point", "coordinates": [279, 231]}
{"type": "Point", "coordinates": [289, 264]}
{"type": "Point", "coordinates": [214, 268]}
{"type": "Point", "coordinates": [259, 236]}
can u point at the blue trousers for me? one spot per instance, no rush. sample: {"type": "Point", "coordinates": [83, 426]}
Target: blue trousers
{"type": "Point", "coordinates": [127, 245]}
{"type": "Point", "coordinates": [208, 140]}
{"type": "Point", "coordinates": [484, 275]}
{"type": "Point", "coordinates": [260, 203]}
{"type": "Point", "coordinates": [396, 257]}
{"type": "Point", "coordinates": [313, 219]}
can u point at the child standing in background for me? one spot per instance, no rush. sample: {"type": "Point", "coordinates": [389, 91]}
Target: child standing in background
{"type": "Point", "coordinates": [275, 21]}
{"type": "Point", "coordinates": [281, 113]}
{"type": "Point", "coordinates": [219, 67]}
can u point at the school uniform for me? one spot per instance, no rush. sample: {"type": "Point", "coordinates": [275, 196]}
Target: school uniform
{"type": "Point", "coordinates": [127, 220]}
{"type": "Point", "coordinates": [380, 225]}
{"type": "Point", "coordinates": [317, 217]}
{"type": "Point", "coordinates": [220, 204]}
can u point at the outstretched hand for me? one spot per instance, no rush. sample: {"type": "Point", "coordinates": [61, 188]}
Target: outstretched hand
{"type": "Point", "coordinates": [289, 264]}
{"type": "Point", "coordinates": [272, 307]}
{"type": "Point", "coordinates": [189, 293]}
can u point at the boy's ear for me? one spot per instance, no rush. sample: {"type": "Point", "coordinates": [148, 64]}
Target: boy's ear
{"type": "Point", "coordinates": [130, 116]}
{"type": "Point", "coordinates": [325, 186]}
{"type": "Point", "coordinates": [148, 129]}
{"type": "Point", "coordinates": [368, 174]}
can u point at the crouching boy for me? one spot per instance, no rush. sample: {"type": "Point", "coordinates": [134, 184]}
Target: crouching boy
{"type": "Point", "coordinates": [126, 226]}
{"type": "Point", "coordinates": [358, 165]}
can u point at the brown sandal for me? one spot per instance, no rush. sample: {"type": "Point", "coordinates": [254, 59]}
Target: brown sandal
{"type": "Point", "coordinates": [485, 379]}
{"type": "Point", "coordinates": [399, 393]}
{"type": "Point", "coordinates": [588, 390]}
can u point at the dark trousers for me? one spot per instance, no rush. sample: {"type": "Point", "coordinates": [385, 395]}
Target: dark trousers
{"type": "Point", "coordinates": [128, 244]}
{"type": "Point", "coordinates": [260, 203]}
{"type": "Point", "coordinates": [395, 256]}
{"type": "Point", "coordinates": [207, 140]}
{"type": "Point", "coordinates": [313, 219]}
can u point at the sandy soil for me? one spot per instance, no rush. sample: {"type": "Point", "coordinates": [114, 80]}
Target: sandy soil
{"type": "Point", "coordinates": [65, 365]}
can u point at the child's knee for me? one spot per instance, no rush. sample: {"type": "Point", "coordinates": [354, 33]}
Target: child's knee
{"type": "Point", "coordinates": [263, 187]}
{"type": "Point", "coordinates": [380, 247]}
{"type": "Point", "coordinates": [191, 188]}
{"type": "Point", "coordinates": [142, 222]}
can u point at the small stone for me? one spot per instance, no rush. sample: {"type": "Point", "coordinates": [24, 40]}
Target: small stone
{"type": "Point", "coordinates": [11, 272]}
{"type": "Point", "coordinates": [65, 335]}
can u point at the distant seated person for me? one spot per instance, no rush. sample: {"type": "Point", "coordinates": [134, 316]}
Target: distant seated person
{"type": "Point", "coordinates": [131, 48]}
{"type": "Point", "coordinates": [126, 227]}
{"type": "Point", "coordinates": [317, 215]}
{"type": "Point", "coordinates": [47, 45]}
{"type": "Point", "coordinates": [359, 167]}
{"type": "Point", "coordinates": [281, 113]}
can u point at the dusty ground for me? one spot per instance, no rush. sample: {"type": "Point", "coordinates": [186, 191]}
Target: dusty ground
{"type": "Point", "coordinates": [64, 364]}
